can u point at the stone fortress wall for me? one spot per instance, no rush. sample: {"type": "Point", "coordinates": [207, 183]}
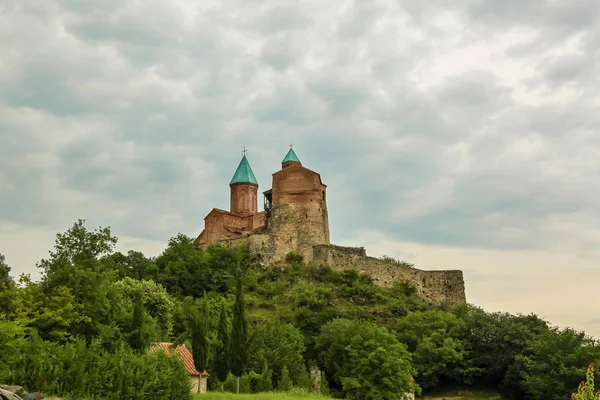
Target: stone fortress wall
{"type": "Point", "coordinates": [434, 286]}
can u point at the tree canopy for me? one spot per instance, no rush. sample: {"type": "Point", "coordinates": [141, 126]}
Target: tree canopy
{"type": "Point", "coordinates": [95, 312]}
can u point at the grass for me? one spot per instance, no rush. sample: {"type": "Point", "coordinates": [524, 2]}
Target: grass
{"type": "Point", "coordinates": [301, 395]}
{"type": "Point", "coordinates": [292, 395]}
{"type": "Point", "coordinates": [465, 394]}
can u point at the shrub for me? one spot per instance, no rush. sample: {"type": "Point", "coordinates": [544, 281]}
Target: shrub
{"type": "Point", "coordinates": [82, 371]}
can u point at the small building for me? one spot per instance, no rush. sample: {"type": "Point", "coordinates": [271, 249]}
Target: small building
{"type": "Point", "coordinates": [197, 379]}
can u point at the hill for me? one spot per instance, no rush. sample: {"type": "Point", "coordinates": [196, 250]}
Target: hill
{"type": "Point", "coordinates": [84, 329]}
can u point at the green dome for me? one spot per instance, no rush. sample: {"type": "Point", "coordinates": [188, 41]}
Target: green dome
{"type": "Point", "coordinates": [291, 156]}
{"type": "Point", "coordinates": [243, 173]}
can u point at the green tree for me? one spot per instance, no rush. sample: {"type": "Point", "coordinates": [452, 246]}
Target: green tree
{"type": "Point", "coordinates": [199, 326]}
{"type": "Point", "coordinates": [7, 287]}
{"type": "Point", "coordinates": [140, 337]}
{"type": "Point", "coordinates": [494, 341]}
{"type": "Point", "coordinates": [285, 382]}
{"type": "Point", "coordinates": [185, 270]}
{"type": "Point", "coordinates": [79, 263]}
{"type": "Point", "coordinates": [158, 304]}
{"type": "Point", "coordinates": [12, 341]}
{"type": "Point", "coordinates": [135, 265]}
{"type": "Point", "coordinates": [435, 339]}
{"type": "Point", "coordinates": [364, 360]}
{"type": "Point", "coordinates": [55, 315]}
{"type": "Point", "coordinates": [222, 353]}
{"type": "Point", "coordinates": [265, 383]}
{"type": "Point", "coordinates": [279, 344]}
{"type": "Point", "coordinates": [239, 337]}
{"type": "Point", "coordinates": [555, 361]}
{"type": "Point", "coordinates": [5, 277]}
{"type": "Point", "coordinates": [324, 386]}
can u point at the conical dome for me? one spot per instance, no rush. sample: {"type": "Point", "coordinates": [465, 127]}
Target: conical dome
{"type": "Point", "coordinates": [243, 173]}
{"type": "Point", "coordinates": [290, 156]}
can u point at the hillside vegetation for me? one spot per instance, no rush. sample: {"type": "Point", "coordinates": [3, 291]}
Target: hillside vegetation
{"type": "Point", "coordinates": [85, 328]}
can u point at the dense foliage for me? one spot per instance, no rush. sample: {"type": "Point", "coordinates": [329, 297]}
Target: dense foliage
{"type": "Point", "coordinates": [84, 329]}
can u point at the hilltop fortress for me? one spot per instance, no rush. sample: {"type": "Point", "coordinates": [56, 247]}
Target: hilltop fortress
{"type": "Point", "coordinates": [295, 220]}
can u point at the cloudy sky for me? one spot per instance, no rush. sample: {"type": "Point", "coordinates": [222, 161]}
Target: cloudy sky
{"type": "Point", "coordinates": [454, 135]}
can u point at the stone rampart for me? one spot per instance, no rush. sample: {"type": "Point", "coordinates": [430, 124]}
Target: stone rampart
{"type": "Point", "coordinates": [260, 244]}
{"type": "Point", "coordinates": [433, 286]}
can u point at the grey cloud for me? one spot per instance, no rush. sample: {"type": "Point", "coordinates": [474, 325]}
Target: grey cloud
{"type": "Point", "coordinates": [423, 162]}
{"type": "Point", "coordinates": [572, 15]}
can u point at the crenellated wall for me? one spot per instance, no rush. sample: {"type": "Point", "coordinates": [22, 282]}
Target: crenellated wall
{"type": "Point", "coordinates": [433, 286]}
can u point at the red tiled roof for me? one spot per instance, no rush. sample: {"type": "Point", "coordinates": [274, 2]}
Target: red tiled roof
{"type": "Point", "coordinates": [184, 354]}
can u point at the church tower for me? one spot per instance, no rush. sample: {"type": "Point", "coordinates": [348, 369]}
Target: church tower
{"type": "Point", "coordinates": [296, 209]}
{"type": "Point", "coordinates": [244, 188]}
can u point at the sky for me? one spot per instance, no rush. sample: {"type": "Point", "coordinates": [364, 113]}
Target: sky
{"type": "Point", "coordinates": [453, 135]}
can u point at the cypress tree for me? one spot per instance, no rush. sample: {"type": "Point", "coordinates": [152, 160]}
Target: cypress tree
{"type": "Point", "coordinates": [265, 383]}
{"type": "Point", "coordinates": [285, 382]}
{"type": "Point", "coordinates": [139, 339]}
{"type": "Point", "coordinates": [199, 320]}
{"type": "Point", "coordinates": [239, 331]}
{"type": "Point", "coordinates": [222, 353]}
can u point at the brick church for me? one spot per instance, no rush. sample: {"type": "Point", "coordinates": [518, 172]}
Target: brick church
{"type": "Point", "coordinates": [295, 219]}
{"type": "Point", "coordinates": [294, 186]}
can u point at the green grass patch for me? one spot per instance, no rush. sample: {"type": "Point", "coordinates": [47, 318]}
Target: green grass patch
{"type": "Point", "coordinates": [464, 394]}
{"type": "Point", "coordinates": [291, 395]}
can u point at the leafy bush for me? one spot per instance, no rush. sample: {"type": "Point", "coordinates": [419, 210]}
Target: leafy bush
{"type": "Point", "coordinates": [82, 371]}
{"type": "Point", "coordinates": [364, 360]}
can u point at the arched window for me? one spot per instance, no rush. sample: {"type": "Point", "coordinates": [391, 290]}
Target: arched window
{"type": "Point", "coordinates": [323, 195]}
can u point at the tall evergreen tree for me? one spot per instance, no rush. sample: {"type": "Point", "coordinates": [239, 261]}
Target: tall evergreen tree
{"type": "Point", "coordinates": [285, 382]}
{"type": "Point", "coordinates": [239, 331]}
{"type": "Point", "coordinates": [222, 353]}
{"type": "Point", "coordinates": [140, 338]}
{"type": "Point", "coordinates": [199, 321]}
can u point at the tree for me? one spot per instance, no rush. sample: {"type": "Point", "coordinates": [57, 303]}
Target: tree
{"type": "Point", "coordinates": [5, 278]}
{"type": "Point", "coordinates": [364, 360]}
{"type": "Point", "coordinates": [555, 361]}
{"type": "Point", "coordinates": [159, 306]}
{"type": "Point", "coordinates": [139, 339]}
{"type": "Point", "coordinates": [199, 330]}
{"type": "Point", "coordinates": [435, 340]}
{"type": "Point", "coordinates": [285, 382]}
{"type": "Point", "coordinates": [222, 353]}
{"type": "Point", "coordinates": [239, 336]}
{"type": "Point", "coordinates": [7, 286]}
{"type": "Point", "coordinates": [265, 383]}
{"type": "Point", "coordinates": [80, 263]}
{"type": "Point", "coordinates": [279, 344]}
{"type": "Point", "coordinates": [135, 265]}
{"type": "Point", "coordinates": [494, 341]}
